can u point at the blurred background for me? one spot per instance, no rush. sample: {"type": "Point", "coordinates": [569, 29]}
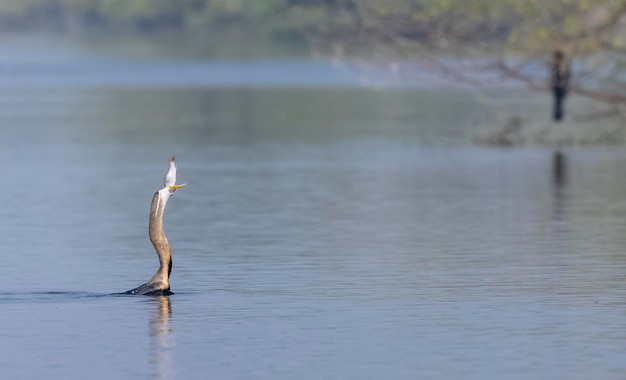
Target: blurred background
{"type": "Point", "coordinates": [476, 47]}
{"type": "Point", "coordinates": [376, 189]}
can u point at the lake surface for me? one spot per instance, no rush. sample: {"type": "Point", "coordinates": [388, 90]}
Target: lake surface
{"type": "Point", "coordinates": [331, 232]}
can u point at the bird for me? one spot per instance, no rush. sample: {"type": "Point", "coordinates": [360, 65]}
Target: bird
{"type": "Point", "coordinates": [170, 176]}
{"type": "Point", "coordinates": [159, 283]}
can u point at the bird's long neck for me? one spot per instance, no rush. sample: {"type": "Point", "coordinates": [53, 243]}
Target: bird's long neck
{"type": "Point", "coordinates": [157, 237]}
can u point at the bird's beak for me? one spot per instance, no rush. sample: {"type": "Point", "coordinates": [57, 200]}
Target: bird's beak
{"type": "Point", "coordinates": [173, 188]}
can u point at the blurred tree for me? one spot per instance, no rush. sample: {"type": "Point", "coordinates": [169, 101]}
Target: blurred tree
{"type": "Point", "coordinates": [509, 37]}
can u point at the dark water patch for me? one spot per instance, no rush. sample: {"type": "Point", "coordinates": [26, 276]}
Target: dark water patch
{"type": "Point", "coordinates": [67, 296]}
{"type": "Point", "coordinates": [48, 296]}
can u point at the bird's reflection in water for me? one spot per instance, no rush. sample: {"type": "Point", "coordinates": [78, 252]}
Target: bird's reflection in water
{"type": "Point", "coordinates": [559, 168]}
{"type": "Point", "coordinates": [559, 183]}
{"type": "Point", "coordinates": [160, 337]}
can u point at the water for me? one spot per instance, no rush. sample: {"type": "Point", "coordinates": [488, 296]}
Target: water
{"type": "Point", "coordinates": [329, 232]}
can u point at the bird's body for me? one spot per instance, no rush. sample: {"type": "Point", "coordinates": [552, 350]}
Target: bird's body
{"type": "Point", "coordinates": [159, 283]}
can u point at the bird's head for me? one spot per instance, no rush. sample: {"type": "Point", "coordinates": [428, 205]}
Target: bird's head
{"type": "Point", "coordinates": [170, 177]}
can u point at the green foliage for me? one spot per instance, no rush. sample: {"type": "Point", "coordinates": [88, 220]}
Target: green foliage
{"type": "Point", "coordinates": [188, 16]}
{"type": "Point", "coordinates": [531, 26]}
{"type": "Point", "coordinates": [528, 26]}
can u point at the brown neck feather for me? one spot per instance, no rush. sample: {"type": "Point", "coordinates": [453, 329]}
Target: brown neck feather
{"type": "Point", "coordinates": [158, 239]}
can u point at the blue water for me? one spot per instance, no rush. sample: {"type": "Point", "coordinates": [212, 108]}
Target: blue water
{"type": "Point", "coordinates": [326, 232]}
